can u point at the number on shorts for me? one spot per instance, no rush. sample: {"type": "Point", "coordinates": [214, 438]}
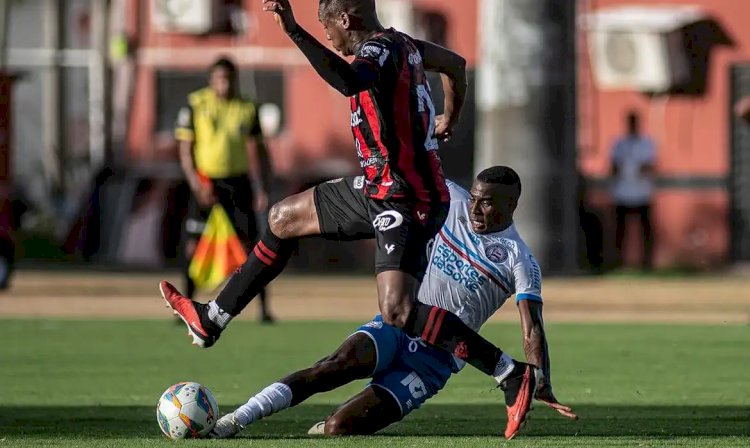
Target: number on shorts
{"type": "Point", "coordinates": [415, 385]}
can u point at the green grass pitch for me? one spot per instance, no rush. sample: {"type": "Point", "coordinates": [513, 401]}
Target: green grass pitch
{"type": "Point", "coordinates": [96, 383]}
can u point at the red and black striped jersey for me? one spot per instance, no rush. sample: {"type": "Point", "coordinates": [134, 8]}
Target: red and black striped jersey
{"type": "Point", "coordinates": [393, 123]}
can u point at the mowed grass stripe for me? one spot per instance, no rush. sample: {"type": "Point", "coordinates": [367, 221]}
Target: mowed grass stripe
{"type": "Point", "coordinates": [96, 383]}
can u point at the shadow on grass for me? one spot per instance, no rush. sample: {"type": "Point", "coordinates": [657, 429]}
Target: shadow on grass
{"type": "Point", "coordinates": [432, 420]}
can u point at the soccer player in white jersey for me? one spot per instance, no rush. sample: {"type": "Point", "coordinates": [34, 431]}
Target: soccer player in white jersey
{"type": "Point", "coordinates": [477, 261]}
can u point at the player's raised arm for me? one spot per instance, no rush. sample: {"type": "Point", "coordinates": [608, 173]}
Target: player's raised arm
{"type": "Point", "coordinates": [348, 79]}
{"type": "Point", "coordinates": [452, 69]}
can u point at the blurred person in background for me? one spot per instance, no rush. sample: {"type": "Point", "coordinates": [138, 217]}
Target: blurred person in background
{"type": "Point", "coordinates": [632, 157]}
{"type": "Point", "coordinates": [222, 154]}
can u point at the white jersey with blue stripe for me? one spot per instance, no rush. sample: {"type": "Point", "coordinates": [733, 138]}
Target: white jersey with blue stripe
{"type": "Point", "coordinates": [472, 275]}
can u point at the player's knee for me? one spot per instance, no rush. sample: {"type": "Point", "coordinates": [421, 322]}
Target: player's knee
{"type": "Point", "coordinates": [337, 425]}
{"type": "Point", "coordinates": [294, 216]}
{"type": "Point", "coordinates": [280, 219]}
{"type": "Point", "coordinates": [396, 312]}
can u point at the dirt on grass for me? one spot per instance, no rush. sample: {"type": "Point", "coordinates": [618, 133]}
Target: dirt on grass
{"type": "Point", "coordinates": [81, 294]}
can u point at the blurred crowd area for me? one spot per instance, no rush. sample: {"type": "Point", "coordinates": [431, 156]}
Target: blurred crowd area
{"type": "Point", "coordinates": [627, 121]}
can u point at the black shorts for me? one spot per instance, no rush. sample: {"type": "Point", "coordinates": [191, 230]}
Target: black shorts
{"type": "Point", "coordinates": [235, 194]}
{"type": "Point", "coordinates": [403, 230]}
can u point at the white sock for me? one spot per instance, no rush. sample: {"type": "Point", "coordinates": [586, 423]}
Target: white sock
{"type": "Point", "coordinates": [217, 315]}
{"type": "Point", "coordinates": [272, 399]}
{"type": "Point", "coordinates": [504, 366]}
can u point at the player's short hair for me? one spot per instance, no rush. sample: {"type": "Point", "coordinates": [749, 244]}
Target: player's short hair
{"type": "Point", "coordinates": [225, 63]}
{"type": "Point", "coordinates": [359, 8]}
{"type": "Point", "coordinates": [502, 175]}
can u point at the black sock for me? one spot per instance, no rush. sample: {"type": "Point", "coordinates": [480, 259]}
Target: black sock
{"type": "Point", "coordinates": [264, 263]}
{"type": "Point", "coordinates": [263, 297]}
{"type": "Point", "coordinates": [445, 330]}
{"type": "Point", "coordinates": [189, 286]}
{"type": "Point", "coordinates": [188, 283]}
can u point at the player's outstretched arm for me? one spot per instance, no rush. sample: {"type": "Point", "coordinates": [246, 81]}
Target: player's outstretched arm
{"type": "Point", "coordinates": [537, 353]}
{"type": "Point", "coordinates": [452, 69]}
{"type": "Point", "coordinates": [534, 340]}
{"type": "Point", "coordinates": [348, 79]}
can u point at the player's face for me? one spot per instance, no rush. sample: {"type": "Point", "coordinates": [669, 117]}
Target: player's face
{"type": "Point", "coordinates": [491, 207]}
{"type": "Point", "coordinates": [221, 82]}
{"type": "Point", "coordinates": [337, 35]}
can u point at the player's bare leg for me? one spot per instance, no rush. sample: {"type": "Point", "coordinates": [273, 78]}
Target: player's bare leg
{"type": "Point", "coordinates": [365, 413]}
{"type": "Point", "coordinates": [292, 218]}
{"type": "Point", "coordinates": [353, 360]}
{"type": "Point", "coordinates": [397, 299]}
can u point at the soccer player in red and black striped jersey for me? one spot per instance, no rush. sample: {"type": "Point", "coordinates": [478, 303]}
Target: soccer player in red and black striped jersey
{"type": "Point", "coordinates": [406, 199]}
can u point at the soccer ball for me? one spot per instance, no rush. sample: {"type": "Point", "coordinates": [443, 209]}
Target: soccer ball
{"type": "Point", "coordinates": [186, 410]}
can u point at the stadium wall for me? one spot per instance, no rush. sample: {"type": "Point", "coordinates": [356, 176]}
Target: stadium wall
{"type": "Point", "coordinates": [695, 223]}
{"type": "Point", "coordinates": [315, 117]}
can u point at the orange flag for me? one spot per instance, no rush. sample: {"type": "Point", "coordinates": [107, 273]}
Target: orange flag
{"type": "Point", "coordinates": [219, 252]}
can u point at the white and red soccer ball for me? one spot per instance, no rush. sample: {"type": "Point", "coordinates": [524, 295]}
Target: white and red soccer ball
{"type": "Point", "coordinates": [187, 411]}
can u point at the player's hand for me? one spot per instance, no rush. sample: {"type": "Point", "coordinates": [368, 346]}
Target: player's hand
{"type": "Point", "coordinates": [283, 14]}
{"type": "Point", "coordinates": [443, 129]}
{"type": "Point", "coordinates": [204, 194]}
{"type": "Point", "coordinates": [545, 395]}
{"type": "Point", "coordinates": [261, 201]}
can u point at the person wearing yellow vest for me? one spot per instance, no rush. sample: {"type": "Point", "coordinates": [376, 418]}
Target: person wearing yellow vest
{"type": "Point", "coordinates": [222, 154]}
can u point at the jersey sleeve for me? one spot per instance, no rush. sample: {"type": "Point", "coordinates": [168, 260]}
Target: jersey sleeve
{"type": "Point", "coordinates": [457, 193]}
{"type": "Point", "coordinates": [376, 53]}
{"type": "Point", "coordinates": [184, 129]}
{"type": "Point", "coordinates": [528, 278]}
